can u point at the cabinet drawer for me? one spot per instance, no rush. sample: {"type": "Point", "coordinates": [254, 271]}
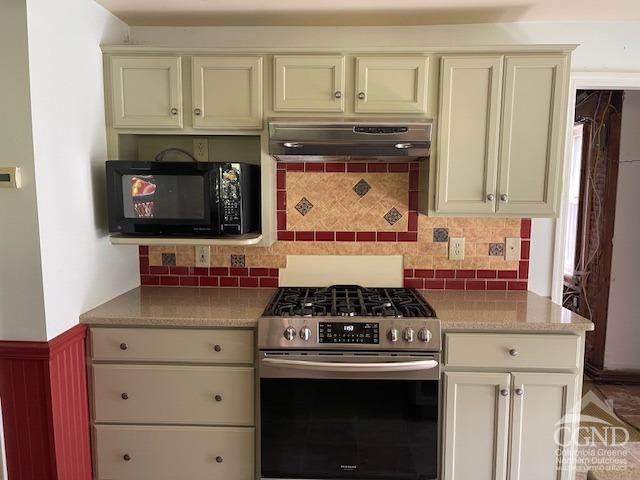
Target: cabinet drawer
{"type": "Point", "coordinates": [173, 394]}
{"type": "Point", "coordinates": [169, 345]}
{"type": "Point", "coordinates": [170, 453]}
{"type": "Point", "coordinates": [503, 350]}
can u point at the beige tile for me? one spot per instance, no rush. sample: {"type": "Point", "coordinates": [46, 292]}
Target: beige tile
{"type": "Point", "coordinates": [185, 255]}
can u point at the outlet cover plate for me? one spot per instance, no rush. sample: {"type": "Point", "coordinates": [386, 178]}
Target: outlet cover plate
{"type": "Point", "coordinates": [201, 149]}
{"type": "Point", "coordinates": [203, 255]}
{"type": "Point", "coordinates": [456, 248]}
{"type": "Point", "coordinates": [512, 249]}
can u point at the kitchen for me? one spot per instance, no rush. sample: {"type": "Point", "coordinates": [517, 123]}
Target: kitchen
{"type": "Point", "coordinates": [495, 366]}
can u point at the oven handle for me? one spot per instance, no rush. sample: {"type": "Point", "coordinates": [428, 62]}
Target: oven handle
{"type": "Point", "coordinates": [409, 366]}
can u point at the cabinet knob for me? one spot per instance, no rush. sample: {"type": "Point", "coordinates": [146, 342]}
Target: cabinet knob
{"type": "Point", "coordinates": [217, 348]}
{"type": "Point", "coordinates": [491, 197]}
{"type": "Point", "coordinates": [504, 392]}
{"type": "Point", "coordinates": [361, 95]}
{"type": "Point", "coordinates": [124, 396]}
{"type": "Point", "coordinates": [174, 111]}
{"type": "Point", "coordinates": [504, 198]}
{"type": "Point", "coordinates": [219, 459]}
{"type": "Point", "coordinates": [513, 352]}
{"type": "Point", "coordinates": [126, 457]}
{"type": "Point", "coordinates": [123, 346]}
{"type": "Point", "coordinates": [218, 398]}
{"type": "Point", "coordinates": [519, 391]}
{"type": "Point", "coordinates": [197, 111]}
{"type": "Point", "coordinates": [338, 94]}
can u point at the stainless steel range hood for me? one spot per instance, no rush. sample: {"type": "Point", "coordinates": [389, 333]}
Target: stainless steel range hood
{"type": "Point", "coordinates": [352, 139]}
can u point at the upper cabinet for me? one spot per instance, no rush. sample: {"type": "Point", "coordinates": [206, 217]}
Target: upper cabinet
{"type": "Point", "coordinates": [309, 83]}
{"type": "Point", "coordinates": [391, 84]}
{"type": "Point", "coordinates": [226, 92]}
{"type": "Point", "coordinates": [146, 92]}
{"type": "Point", "coordinates": [500, 139]}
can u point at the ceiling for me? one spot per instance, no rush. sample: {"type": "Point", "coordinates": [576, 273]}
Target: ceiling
{"type": "Point", "coordinates": [365, 12]}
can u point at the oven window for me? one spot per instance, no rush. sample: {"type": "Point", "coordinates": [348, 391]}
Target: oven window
{"type": "Point", "coordinates": [341, 429]}
{"type": "Point", "coordinates": [171, 197]}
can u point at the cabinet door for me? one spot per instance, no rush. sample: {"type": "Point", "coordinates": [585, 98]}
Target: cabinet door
{"type": "Point", "coordinates": [313, 83]}
{"type": "Point", "coordinates": [540, 403]}
{"type": "Point", "coordinates": [146, 92]}
{"type": "Point", "coordinates": [532, 135]}
{"type": "Point", "coordinates": [470, 91]}
{"type": "Point", "coordinates": [227, 92]}
{"type": "Point", "coordinates": [475, 426]}
{"type": "Point", "coordinates": [391, 85]}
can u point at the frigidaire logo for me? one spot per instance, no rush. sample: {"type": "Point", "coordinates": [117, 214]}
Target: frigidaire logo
{"type": "Point", "coordinates": [348, 467]}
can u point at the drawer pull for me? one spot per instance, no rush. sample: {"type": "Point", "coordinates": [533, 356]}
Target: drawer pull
{"type": "Point", "coordinates": [126, 457]}
{"type": "Point", "coordinates": [219, 459]}
{"type": "Point", "coordinates": [218, 398]}
{"type": "Point", "coordinates": [124, 396]}
{"type": "Point", "coordinates": [513, 352]}
{"type": "Point", "coordinates": [217, 348]}
{"type": "Point", "coordinates": [504, 392]}
{"type": "Point", "coordinates": [519, 391]}
{"type": "Point", "coordinates": [123, 346]}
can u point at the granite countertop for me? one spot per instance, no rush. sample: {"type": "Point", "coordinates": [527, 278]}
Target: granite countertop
{"type": "Point", "coordinates": [241, 307]}
{"type": "Point", "coordinates": [631, 474]}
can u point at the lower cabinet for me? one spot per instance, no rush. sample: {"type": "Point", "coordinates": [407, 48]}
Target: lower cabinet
{"type": "Point", "coordinates": [504, 425]}
{"type": "Point", "coordinates": [168, 453]}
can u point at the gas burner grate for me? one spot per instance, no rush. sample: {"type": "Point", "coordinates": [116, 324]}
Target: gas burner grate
{"type": "Point", "coordinates": [348, 301]}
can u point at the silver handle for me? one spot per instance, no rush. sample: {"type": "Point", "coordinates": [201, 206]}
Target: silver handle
{"type": "Point", "coordinates": [123, 346]}
{"type": "Point", "coordinates": [218, 398]}
{"type": "Point", "coordinates": [353, 367]}
{"type": "Point", "coordinates": [338, 94]}
{"type": "Point", "coordinates": [491, 197]}
{"type": "Point", "coordinates": [519, 391]}
{"type": "Point", "coordinates": [513, 352]}
{"type": "Point", "coordinates": [361, 95]}
{"type": "Point", "coordinates": [504, 198]}
{"type": "Point", "coordinates": [219, 459]}
{"type": "Point", "coordinates": [124, 396]}
{"type": "Point", "coordinates": [504, 392]}
{"type": "Point", "coordinates": [197, 111]}
{"type": "Point", "coordinates": [217, 348]}
{"type": "Point", "coordinates": [292, 144]}
{"type": "Point", "coordinates": [174, 111]}
{"type": "Point", "coordinates": [126, 457]}
{"type": "Point", "coordinates": [403, 146]}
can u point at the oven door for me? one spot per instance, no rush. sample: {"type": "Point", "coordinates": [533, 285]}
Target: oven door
{"type": "Point", "coordinates": [338, 415]}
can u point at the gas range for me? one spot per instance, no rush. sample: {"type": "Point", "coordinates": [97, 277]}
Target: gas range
{"type": "Point", "coordinates": [349, 317]}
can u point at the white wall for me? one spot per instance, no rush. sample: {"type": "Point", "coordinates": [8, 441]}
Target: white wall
{"type": "Point", "coordinates": [81, 269]}
{"type": "Point", "coordinates": [623, 319]}
{"type": "Point", "coordinates": [21, 296]}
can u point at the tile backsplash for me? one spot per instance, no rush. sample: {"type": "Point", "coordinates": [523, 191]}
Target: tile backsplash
{"type": "Point", "coordinates": [356, 209]}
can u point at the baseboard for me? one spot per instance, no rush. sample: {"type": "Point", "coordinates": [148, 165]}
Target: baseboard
{"type": "Point", "coordinates": [612, 376]}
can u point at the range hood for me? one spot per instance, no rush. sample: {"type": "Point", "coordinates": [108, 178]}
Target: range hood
{"type": "Point", "coordinates": [351, 139]}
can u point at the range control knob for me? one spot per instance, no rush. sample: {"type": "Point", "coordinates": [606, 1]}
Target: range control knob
{"type": "Point", "coordinates": [424, 334]}
{"type": "Point", "coordinates": [305, 333]}
{"type": "Point", "coordinates": [392, 335]}
{"type": "Point", "coordinates": [407, 334]}
{"type": "Point", "coordinates": [290, 333]}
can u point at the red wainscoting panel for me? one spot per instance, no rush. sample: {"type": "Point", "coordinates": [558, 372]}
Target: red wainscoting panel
{"type": "Point", "coordinates": [43, 388]}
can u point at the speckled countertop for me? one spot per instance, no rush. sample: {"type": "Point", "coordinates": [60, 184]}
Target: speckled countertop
{"type": "Point", "coordinates": [632, 474]}
{"type": "Point", "coordinates": [238, 307]}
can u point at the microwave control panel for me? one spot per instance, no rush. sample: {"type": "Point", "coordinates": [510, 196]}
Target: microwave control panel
{"type": "Point", "coordinates": [230, 198]}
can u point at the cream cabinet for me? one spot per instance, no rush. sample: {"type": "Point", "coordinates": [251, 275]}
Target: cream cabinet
{"type": "Point", "coordinates": [226, 92]}
{"type": "Point", "coordinates": [309, 83]}
{"type": "Point", "coordinates": [501, 134]}
{"type": "Point", "coordinates": [146, 91]}
{"type": "Point", "coordinates": [391, 84]}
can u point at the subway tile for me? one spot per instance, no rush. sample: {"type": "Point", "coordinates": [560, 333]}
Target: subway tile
{"type": "Point", "coordinates": [144, 265]}
{"type": "Point", "coordinates": [413, 283]}
{"type": "Point", "coordinates": [305, 236]}
{"type": "Point", "coordinates": [274, 272]}
{"type": "Point", "coordinates": [525, 247]}
{"type": "Point", "coordinates": [398, 167]}
{"type": "Point", "coordinates": [414, 180]}
{"type": "Point", "coordinates": [525, 228]}
{"type": "Point", "coordinates": [169, 280]}
{"type": "Point", "coordinates": [239, 271]}
{"type": "Point", "coordinates": [517, 285]}
{"type": "Point", "coordinates": [281, 180]}
{"type": "Point", "coordinates": [496, 285]}
{"type": "Point", "coordinates": [281, 166]}
{"type": "Point", "coordinates": [229, 281]}
{"type": "Point", "coordinates": [412, 219]}
{"type": "Point", "coordinates": [507, 274]}
{"type": "Point", "coordinates": [157, 270]}
{"type": "Point", "coordinates": [454, 284]}
{"type": "Point", "coordinates": [335, 167]}
{"type": "Point", "coordinates": [188, 281]}
{"type": "Point", "coordinates": [259, 272]}
{"type": "Point", "coordinates": [413, 200]}
{"type": "Point", "coordinates": [199, 271]}
{"type": "Point", "coordinates": [295, 167]}
{"type": "Point", "coordinates": [407, 236]}
{"type": "Point", "coordinates": [267, 282]}
{"type": "Point", "coordinates": [325, 236]}
{"type": "Point", "coordinates": [424, 273]}
{"type": "Point", "coordinates": [465, 274]}
{"type": "Point", "coordinates": [281, 200]}
{"type": "Point", "coordinates": [445, 273]}
{"type": "Point", "coordinates": [143, 250]}
{"type": "Point", "coordinates": [377, 167]}
{"type": "Point", "coordinates": [366, 236]}
{"type": "Point", "coordinates": [523, 269]}
{"type": "Point", "coordinates": [208, 281]}
{"type": "Point", "coordinates": [486, 274]}
{"type": "Point", "coordinates": [434, 284]}
{"type": "Point", "coordinates": [345, 236]}
{"type": "Point", "coordinates": [286, 236]}
{"type": "Point", "coordinates": [219, 271]}
{"type": "Point", "coordinates": [314, 167]}
{"type": "Point", "coordinates": [150, 280]}
{"type": "Point", "coordinates": [408, 273]}
{"type": "Point", "coordinates": [281, 220]}
{"type": "Point", "coordinates": [476, 284]}
{"type": "Point", "coordinates": [386, 237]}
{"type": "Point", "coordinates": [249, 282]}
{"type": "Point", "coordinates": [356, 167]}
{"type": "Point", "coordinates": [178, 270]}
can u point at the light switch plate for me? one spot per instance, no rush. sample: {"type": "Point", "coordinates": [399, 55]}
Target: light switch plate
{"type": "Point", "coordinates": [456, 248]}
{"type": "Point", "coordinates": [201, 149]}
{"type": "Point", "coordinates": [512, 249]}
{"type": "Point", "coordinates": [203, 255]}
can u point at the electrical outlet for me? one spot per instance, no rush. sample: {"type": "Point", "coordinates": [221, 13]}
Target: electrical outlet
{"type": "Point", "coordinates": [456, 248]}
{"type": "Point", "coordinates": [203, 255]}
{"type": "Point", "coordinates": [201, 149]}
{"type": "Point", "coordinates": [512, 249]}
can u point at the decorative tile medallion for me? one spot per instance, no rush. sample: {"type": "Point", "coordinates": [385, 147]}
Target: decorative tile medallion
{"type": "Point", "coordinates": [168, 259]}
{"type": "Point", "coordinates": [362, 188]}
{"type": "Point", "coordinates": [304, 206]}
{"type": "Point", "coordinates": [237, 260]}
{"type": "Point", "coordinates": [392, 216]}
{"type": "Point", "coordinates": [440, 235]}
{"type": "Point", "coordinates": [496, 249]}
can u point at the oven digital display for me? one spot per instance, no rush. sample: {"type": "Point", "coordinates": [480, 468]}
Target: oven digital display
{"type": "Point", "coordinates": [341, 332]}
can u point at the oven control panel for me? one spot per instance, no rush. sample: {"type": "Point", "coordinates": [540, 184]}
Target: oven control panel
{"type": "Point", "coordinates": [343, 332]}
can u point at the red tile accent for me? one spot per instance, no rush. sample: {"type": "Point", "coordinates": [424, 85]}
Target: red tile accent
{"type": "Point", "coordinates": [414, 180]}
{"type": "Point", "coordinates": [169, 280]}
{"type": "Point", "coordinates": [281, 180]}
{"type": "Point", "coordinates": [517, 285]}
{"type": "Point", "coordinates": [525, 228]}
{"type": "Point", "coordinates": [286, 236]}
{"type": "Point", "coordinates": [412, 218]}
{"type": "Point", "coordinates": [143, 250]}
{"type": "Point", "coordinates": [424, 273]}
{"type": "Point", "coordinates": [281, 200]}
{"type": "Point", "coordinates": [386, 237]}
{"type": "Point", "coordinates": [325, 236]}
{"type": "Point", "coordinates": [249, 282]}
{"type": "Point", "coordinates": [523, 271]}
{"type": "Point", "coordinates": [281, 220]}
{"type": "Point", "coordinates": [476, 285]}
{"type": "Point", "coordinates": [356, 167]}
{"type": "Point", "coordinates": [157, 270]}
{"type": "Point", "coordinates": [259, 272]}
{"type": "Point", "coordinates": [219, 271]}
{"type": "Point", "coordinates": [305, 236]}
{"type": "Point", "coordinates": [486, 274]}
{"type": "Point", "coordinates": [335, 167]}
{"type": "Point", "coordinates": [266, 282]}
{"type": "Point", "coordinates": [507, 274]}
{"type": "Point", "coordinates": [179, 270]}
{"type": "Point", "coordinates": [407, 236]}
{"type": "Point", "coordinates": [525, 248]}
{"type": "Point", "coordinates": [345, 236]}
{"type": "Point", "coordinates": [434, 284]}
{"type": "Point", "coordinates": [149, 280]}
{"type": "Point", "coordinates": [413, 201]}
{"type": "Point", "coordinates": [281, 166]}
{"type": "Point", "coordinates": [454, 285]}
{"type": "Point", "coordinates": [366, 236]}
{"type": "Point", "coordinates": [199, 271]}
{"type": "Point", "coordinates": [189, 281]}
{"type": "Point", "coordinates": [496, 285]}
{"type": "Point", "coordinates": [208, 281]}
{"type": "Point", "coordinates": [413, 283]}
{"type": "Point", "coordinates": [414, 166]}
{"type": "Point", "coordinates": [398, 167]}
{"type": "Point", "coordinates": [408, 273]}
{"type": "Point", "coordinates": [376, 167]}
{"type": "Point", "coordinates": [229, 281]}
{"type": "Point", "coordinates": [445, 274]}
{"type": "Point", "coordinates": [274, 272]}
{"type": "Point", "coordinates": [144, 265]}
{"type": "Point", "coordinates": [295, 167]}
{"type": "Point", "coordinates": [465, 274]}
{"type": "Point", "coordinates": [314, 167]}
{"type": "Point", "coordinates": [239, 271]}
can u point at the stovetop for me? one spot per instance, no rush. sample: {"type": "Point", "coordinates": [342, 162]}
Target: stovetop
{"type": "Point", "coordinates": [349, 301]}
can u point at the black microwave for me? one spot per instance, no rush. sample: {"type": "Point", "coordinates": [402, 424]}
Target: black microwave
{"type": "Point", "coordinates": [183, 198]}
